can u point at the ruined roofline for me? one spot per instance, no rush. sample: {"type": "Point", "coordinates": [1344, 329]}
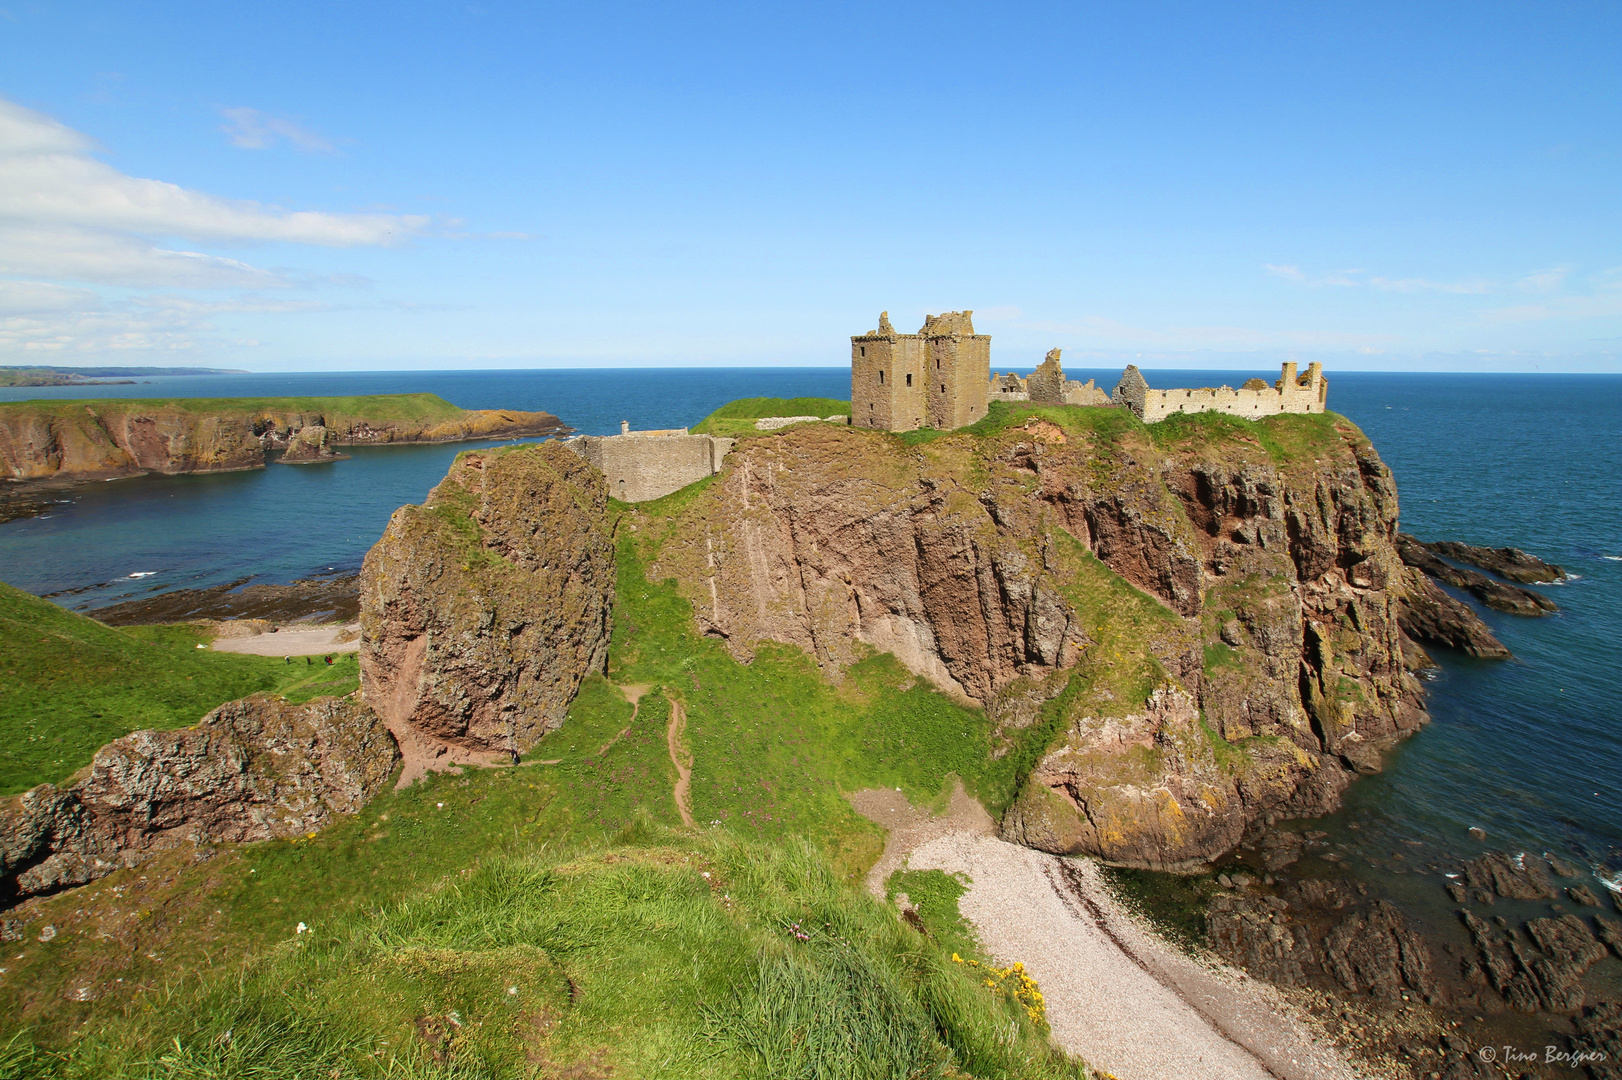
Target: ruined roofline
{"type": "Point", "coordinates": [948, 324]}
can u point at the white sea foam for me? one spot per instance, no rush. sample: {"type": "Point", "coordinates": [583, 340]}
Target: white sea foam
{"type": "Point", "coordinates": [143, 573]}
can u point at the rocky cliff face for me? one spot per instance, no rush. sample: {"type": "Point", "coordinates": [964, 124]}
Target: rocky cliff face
{"type": "Point", "coordinates": [103, 439]}
{"type": "Point", "coordinates": [483, 609]}
{"type": "Point", "coordinates": [1224, 613]}
{"type": "Point", "coordinates": [253, 769]}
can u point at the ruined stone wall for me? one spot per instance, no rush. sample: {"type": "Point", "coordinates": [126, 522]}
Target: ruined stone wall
{"type": "Point", "coordinates": [1086, 393]}
{"type": "Point", "coordinates": [1009, 387]}
{"type": "Point", "coordinates": [1308, 393]}
{"type": "Point", "coordinates": [641, 466]}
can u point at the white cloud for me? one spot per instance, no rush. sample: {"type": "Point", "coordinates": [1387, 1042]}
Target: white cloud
{"type": "Point", "coordinates": [111, 258]}
{"type": "Point", "coordinates": [34, 297]}
{"type": "Point", "coordinates": [1421, 285]}
{"type": "Point", "coordinates": [253, 130]}
{"type": "Point", "coordinates": [66, 214]}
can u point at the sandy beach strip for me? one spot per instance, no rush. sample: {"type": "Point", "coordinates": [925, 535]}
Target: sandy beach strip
{"type": "Point", "coordinates": [318, 640]}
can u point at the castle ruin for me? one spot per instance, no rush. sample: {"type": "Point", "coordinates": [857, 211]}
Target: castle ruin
{"type": "Point", "coordinates": [1047, 385]}
{"type": "Point", "coordinates": [644, 465]}
{"type": "Point", "coordinates": [1306, 393]}
{"type": "Point", "coordinates": [935, 378]}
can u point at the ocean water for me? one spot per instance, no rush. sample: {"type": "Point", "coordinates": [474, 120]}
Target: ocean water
{"type": "Point", "coordinates": [1528, 750]}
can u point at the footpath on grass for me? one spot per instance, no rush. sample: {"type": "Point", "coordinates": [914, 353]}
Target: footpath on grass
{"type": "Point", "coordinates": [1117, 995]}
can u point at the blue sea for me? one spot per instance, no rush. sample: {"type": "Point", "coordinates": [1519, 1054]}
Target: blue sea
{"type": "Point", "coordinates": [1528, 750]}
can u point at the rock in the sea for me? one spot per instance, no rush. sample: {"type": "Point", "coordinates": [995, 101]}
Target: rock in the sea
{"type": "Point", "coordinates": [1429, 614]}
{"type": "Point", "coordinates": [1545, 977]}
{"type": "Point", "coordinates": [1514, 877]}
{"type": "Point", "coordinates": [1507, 562]}
{"type": "Point", "coordinates": [483, 609]}
{"type": "Point", "coordinates": [1495, 594]}
{"type": "Point", "coordinates": [1609, 931]}
{"type": "Point", "coordinates": [1582, 894]}
{"type": "Point", "coordinates": [253, 769]}
{"type": "Point", "coordinates": [1321, 933]}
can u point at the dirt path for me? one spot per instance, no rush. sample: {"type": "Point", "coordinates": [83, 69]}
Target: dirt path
{"type": "Point", "coordinates": [910, 828]}
{"type": "Point", "coordinates": [682, 758]}
{"type": "Point", "coordinates": [633, 693]}
{"type": "Point", "coordinates": [1117, 995]}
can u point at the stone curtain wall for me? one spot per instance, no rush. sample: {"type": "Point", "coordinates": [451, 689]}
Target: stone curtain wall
{"type": "Point", "coordinates": [1291, 394]}
{"type": "Point", "coordinates": [641, 466]}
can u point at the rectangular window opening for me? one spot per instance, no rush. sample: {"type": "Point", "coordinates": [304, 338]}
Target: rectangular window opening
{"type": "Point", "coordinates": [909, 380]}
{"type": "Point", "coordinates": [881, 378]}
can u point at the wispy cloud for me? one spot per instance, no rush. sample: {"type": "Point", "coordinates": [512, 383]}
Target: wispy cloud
{"type": "Point", "coordinates": [66, 214]}
{"type": "Point", "coordinates": [1423, 285]}
{"type": "Point", "coordinates": [251, 129]}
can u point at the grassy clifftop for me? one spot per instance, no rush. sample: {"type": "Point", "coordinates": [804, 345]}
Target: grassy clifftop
{"type": "Point", "coordinates": [374, 408]}
{"type": "Point", "coordinates": [737, 418]}
{"type": "Point", "coordinates": [69, 685]}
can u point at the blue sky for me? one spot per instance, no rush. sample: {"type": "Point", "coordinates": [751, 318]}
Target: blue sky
{"type": "Point", "coordinates": [1410, 186]}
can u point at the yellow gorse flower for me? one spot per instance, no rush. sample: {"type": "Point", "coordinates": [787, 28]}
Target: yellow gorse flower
{"type": "Point", "coordinates": [1015, 983]}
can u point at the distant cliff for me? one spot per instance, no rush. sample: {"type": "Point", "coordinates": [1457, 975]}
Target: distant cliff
{"type": "Point", "coordinates": [101, 439]}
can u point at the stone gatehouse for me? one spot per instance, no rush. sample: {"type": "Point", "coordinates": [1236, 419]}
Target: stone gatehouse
{"type": "Point", "coordinates": [644, 465]}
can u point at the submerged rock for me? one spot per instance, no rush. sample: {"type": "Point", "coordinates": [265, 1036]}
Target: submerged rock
{"type": "Point", "coordinates": [1495, 594]}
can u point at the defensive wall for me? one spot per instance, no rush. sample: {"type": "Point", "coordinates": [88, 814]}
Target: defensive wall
{"type": "Point", "coordinates": [1292, 393]}
{"type": "Point", "coordinates": [643, 465]}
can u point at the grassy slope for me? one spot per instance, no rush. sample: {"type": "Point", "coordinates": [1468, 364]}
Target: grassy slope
{"type": "Point", "coordinates": [69, 684]}
{"type": "Point", "coordinates": [377, 408]}
{"type": "Point", "coordinates": [572, 883]}
{"type": "Point", "coordinates": [736, 419]}
{"type": "Point", "coordinates": [664, 970]}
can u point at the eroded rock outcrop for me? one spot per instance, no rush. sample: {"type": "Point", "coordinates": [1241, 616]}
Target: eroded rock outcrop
{"type": "Point", "coordinates": [1324, 934]}
{"type": "Point", "coordinates": [1158, 581]}
{"type": "Point", "coordinates": [253, 769]}
{"type": "Point", "coordinates": [484, 608]}
{"type": "Point", "coordinates": [1495, 594]}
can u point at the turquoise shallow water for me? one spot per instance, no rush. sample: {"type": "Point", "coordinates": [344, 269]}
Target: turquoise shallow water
{"type": "Point", "coordinates": [1529, 750]}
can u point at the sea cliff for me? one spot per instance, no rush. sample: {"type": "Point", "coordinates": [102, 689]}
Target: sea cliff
{"type": "Point", "coordinates": [104, 439]}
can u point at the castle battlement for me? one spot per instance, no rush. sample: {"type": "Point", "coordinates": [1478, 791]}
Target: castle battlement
{"type": "Point", "coordinates": [1292, 393]}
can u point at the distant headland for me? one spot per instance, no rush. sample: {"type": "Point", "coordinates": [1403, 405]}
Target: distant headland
{"type": "Point", "coordinates": [108, 438]}
{"type": "Point", "coordinates": [45, 375]}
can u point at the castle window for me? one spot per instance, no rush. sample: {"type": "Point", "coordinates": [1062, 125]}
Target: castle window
{"type": "Point", "coordinates": [937, 363]}
{"type": "Point", "coordinates": [863, 348]}
{"type": "Point", "coordinates": [909, 380]}
{"type": "Point", "coordinates": [943, 388]}
{"type": "Point", "coordinates": [881, 378]}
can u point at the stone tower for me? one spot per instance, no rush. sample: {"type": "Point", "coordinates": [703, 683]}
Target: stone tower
{"type": "Point", "coordinates": [935, 378]}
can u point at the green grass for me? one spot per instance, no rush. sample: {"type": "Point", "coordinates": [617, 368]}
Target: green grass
{"type": "Point", "coordinates": [662, 954]}
{"type": "Point", "coordinates": [774, 743]}
{"type": "Point", "coordinates": [934, 896]}
{"type": "Point", "coordinates": [1288, 439]}
{"type": "Point", "coordinates": [69, 685]}
{"type": "Point", "coordinates": [736, 418]}
{"type": "Point", "coordinates": [376, 408]}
